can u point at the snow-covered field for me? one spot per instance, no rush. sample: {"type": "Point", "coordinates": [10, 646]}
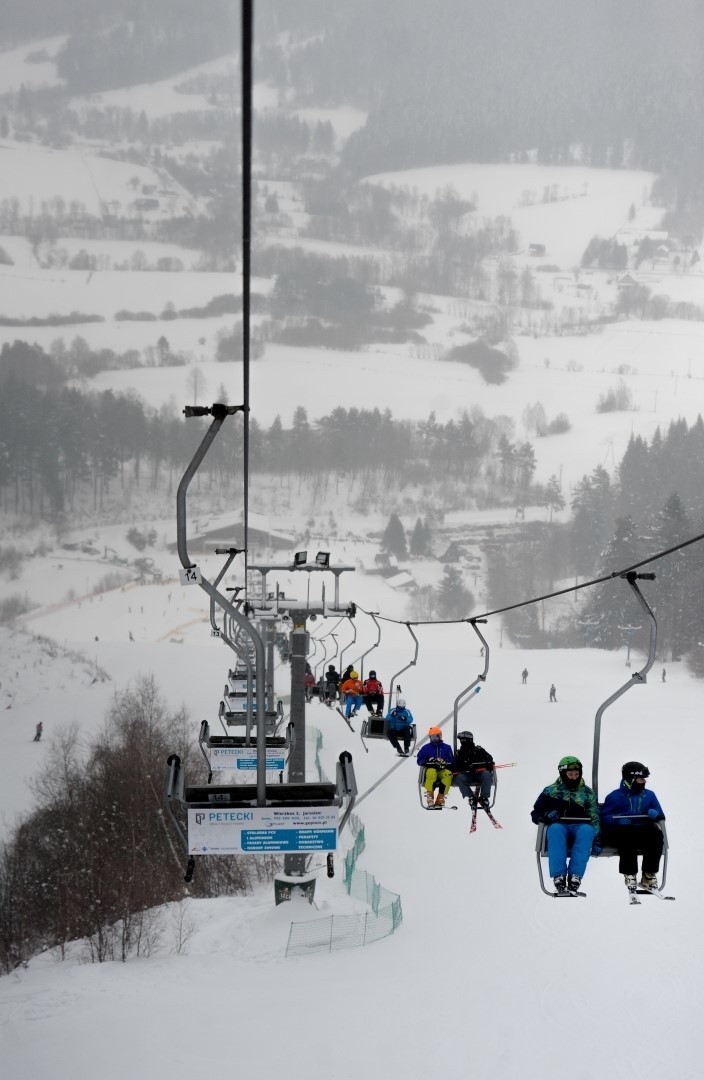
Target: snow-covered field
{"type": "Point", "coordinates": [566, 374]}
{"type": "Point", "coordinates": [33, 174]}
{"type": "Point", "coordinates": [16, 70]}
{"type": "Point", "coordinates": [579, 202]}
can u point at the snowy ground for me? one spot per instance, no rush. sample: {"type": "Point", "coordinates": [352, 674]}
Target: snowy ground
{"type": "Point", "coordinates": [581, 201]}
{"type": "Point", "coordinates": [506, 968]}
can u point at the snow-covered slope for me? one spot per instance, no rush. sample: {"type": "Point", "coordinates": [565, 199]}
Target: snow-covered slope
{"type": "Point", "coordinates": [485, 969]}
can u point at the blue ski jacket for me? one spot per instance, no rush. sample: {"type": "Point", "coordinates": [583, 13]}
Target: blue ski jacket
{"type": "Point", "coordinates": [440, 750]}
{"type": "Point", "coordinates": [624, 801]}
{"type": "Point", "coordinates": [399, 719]}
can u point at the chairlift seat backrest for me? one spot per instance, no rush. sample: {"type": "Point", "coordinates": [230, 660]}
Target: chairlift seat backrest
{"type": "Point", "coordinates": [237, 686]}
{"type": "Point", "coordinates": [272, 741]}
{"type": "Point", "coordinates": [239, 704]}
{"type": "Point", "coordinates": [374, 727]}
{"type": "Point", "coordinates": [204, 796]}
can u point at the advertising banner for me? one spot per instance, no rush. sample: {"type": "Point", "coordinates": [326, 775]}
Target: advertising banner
{"type": "Point", "coordinates": [248, 830]}
{"type": "Point", "coordinates": [244, 758]}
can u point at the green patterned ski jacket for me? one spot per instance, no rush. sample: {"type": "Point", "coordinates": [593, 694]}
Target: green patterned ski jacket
{"type": "Point", "coordinates": [579, 802]}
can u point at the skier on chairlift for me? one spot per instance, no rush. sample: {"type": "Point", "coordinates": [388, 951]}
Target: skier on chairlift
{"type": "Point", "coordinates": [398, 726]}
{"type": "Point", "coordinates": [352, 689]}
{"type": "Point", "coordinates": [629, 816]}
{"type": "Point", "coordinates": [332, 681]}
{"type": "Point", "coordinates": [373, 695]}
{"type": "Point", "coordinates": [475, 769]}
{"type": "Point", "coordinates": [569, 809]}
{"type": "Point", "coordinates": [437, 757]}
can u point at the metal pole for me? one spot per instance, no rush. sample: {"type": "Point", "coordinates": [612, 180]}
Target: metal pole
{"type": "Point", "coordinates": [636, 677]}
{"type": "Point", "coordinates": [270, 639]}
{"type": "Point", "coordinates": [219, 412]}
{"type": "Point", "coordinates": [474, 686]}
{"type": "Point", "coordinates": [296, 864]}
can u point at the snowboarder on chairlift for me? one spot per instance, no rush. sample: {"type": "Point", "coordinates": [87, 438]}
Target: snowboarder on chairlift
{"type": "Point", "coordinates": [352, 689]}
{"type": "Point", "coordinates": [474, 767]}
{"type": "Point", "coordinates": [437, 758]}
{"type": "Point", "coordinates": [373, 695]}
{"type": "Point", "coordinates": [569, 798]}
{"type": "Point", "coordinates": [629, 831]}
{"type": "Point", "coordinates": [309, 683]}
{"type": "Point", "coordinates": [398, 725]}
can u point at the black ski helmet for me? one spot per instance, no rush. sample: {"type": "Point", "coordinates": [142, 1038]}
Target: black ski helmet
{"type": "Point", "coordinates": [465, 735]}
{"type": "Point", "coordinates": [632, 769]}
{"type": "Point", "coordinates": [372, 674]}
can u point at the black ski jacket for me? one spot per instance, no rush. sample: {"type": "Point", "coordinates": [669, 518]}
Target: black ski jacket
{"type": "Point", "coordinates": [469, 756]}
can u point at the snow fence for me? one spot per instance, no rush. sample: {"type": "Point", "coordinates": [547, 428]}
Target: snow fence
{"type": "Point", "coordinates": [350, 931]}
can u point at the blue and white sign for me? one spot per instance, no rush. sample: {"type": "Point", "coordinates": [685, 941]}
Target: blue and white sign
{"type": "Point", "coordinates": [244, 758]}
{"type": "Point", "coordinates": [276, 829]}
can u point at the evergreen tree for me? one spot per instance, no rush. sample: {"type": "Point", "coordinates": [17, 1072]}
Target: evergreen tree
{"type": "Point", "coordinates": [611, 616]}
{"type": "Point", "coordinates": [672, 607]}
{"type": "Point", "coordinates": [394, 538]}
{"type": "Point", "coordinates": [553, 496]}
{"type": "Point", "coordinates": [593, 504]}
{"type": "Point", "coordinates": [418, 544]}
{"type": "Point", "coordinates": [453, 600]}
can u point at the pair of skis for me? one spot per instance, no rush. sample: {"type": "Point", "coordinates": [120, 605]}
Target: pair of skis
{"type": "Point", "coordinates": [634, 891]}
{"type": "Point", "coordinates": [473, 824]}
{"type": "Point", "coordinates": [345, 718]}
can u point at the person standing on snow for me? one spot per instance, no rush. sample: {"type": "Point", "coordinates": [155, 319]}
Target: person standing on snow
{"type": "Point", "coordinates": [38, 732]}
{"type": "Point", "coordinates": [524, 675]}
{"type": "Point", "coordinates": [373, 695]}
{"type": "Point", "coordinates": [475, 769]}
{"type": "Point", "coordinates": [558, 805]}
{"type": "Point", "coordinates": [629, 816]}
{"type": "Point", "coordinates": [437, 758]}
{"type": "Point", "coordinates": [553, 693]}
{"type": "Point", "coordinates": [398, 724]}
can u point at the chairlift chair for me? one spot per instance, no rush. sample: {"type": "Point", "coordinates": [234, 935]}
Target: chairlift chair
{"type": "Point", "coordinates": [208, 741]}
{"type": "Point", "coordinates": [608, 852]}
{"type": "Point", "coordinates": [377, 727]}
{"type": "Point", "coordinates": [225, 797]}
{"type": "Point", "coordinates": [638, 678]}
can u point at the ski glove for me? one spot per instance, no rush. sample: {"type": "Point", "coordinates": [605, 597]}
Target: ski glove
{"type": "Point", "coordinates": [654, 814]}
{"type": "Point", "coordinates": [553, 815]}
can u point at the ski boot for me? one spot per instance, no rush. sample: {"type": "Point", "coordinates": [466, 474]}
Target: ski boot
{"type": "Point", "coordinates": [560, 883]}
{"type": "Point", "coordinates": [429, 799]}
{"type": "Point", "coordinates": [630, 881]}
{"type": "Point", "coordinates": [440, 800]}
{"type": "Point", "coordinates": [573, 883]}
{"type": "Point", "coordinates": [649, 881]}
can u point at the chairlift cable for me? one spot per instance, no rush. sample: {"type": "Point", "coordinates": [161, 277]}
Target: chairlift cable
{"type": "Point", "coordinates": [547, 596]}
